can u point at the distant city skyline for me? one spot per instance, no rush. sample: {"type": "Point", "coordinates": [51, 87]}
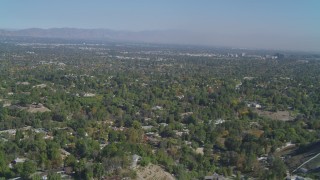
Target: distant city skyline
{"type": "Point", "coordinates": [272, 24]}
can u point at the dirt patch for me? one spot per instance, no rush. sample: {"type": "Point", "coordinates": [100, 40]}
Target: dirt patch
{"type": "Point", "coordinates": [32, 108]}
{"type": "Point", "coordinates": [37, 108]}
{"type": "Point", "coordinates": [153, 172]}
{"type": "Point", "coordinates": [279, 115]}
{"type": "Point", "coordinates": [199, 151]}
{"type": "Point", "coordinates": [255, 132]}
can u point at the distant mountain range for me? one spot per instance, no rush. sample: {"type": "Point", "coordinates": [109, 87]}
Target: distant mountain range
{"type": "Point", "coordinates": [165, 36]}
{"type": "Point", "coordinates": [183, 37]}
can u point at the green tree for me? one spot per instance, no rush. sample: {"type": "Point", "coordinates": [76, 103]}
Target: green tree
{"type": "Point", "coordinates": [19, 135]}
{"type": "Point", "coordinates": [80, 168]}
{"type": "Point", "coordinates": [70, 161]}
{"type": "Point", "coordinates": [36, 177]}
{"type": "Point", "coordinates": [29, 167]}
{"type": "Point", "coordinates": [278, 168]}
{"type": "Point", "coordinates": [4, 169]}
{"type": "Point", "coordinates": [98, 170]}
{"type": "Point", "coordinates": [145, 161]}
{"type": "Point", "coordinates": [54, 176]}
{"type": "Point", "coordinates": [233, 143]}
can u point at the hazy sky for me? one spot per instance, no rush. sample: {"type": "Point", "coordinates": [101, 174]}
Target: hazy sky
{"type": "Point", "coordinates": [285, 24]}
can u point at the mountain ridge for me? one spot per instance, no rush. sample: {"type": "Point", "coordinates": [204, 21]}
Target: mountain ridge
{"type": "Point", "coordinates": [154, 36]}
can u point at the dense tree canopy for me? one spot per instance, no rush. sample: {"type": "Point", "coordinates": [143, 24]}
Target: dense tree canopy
{"type": "Point", "coordinates": [87, 109]}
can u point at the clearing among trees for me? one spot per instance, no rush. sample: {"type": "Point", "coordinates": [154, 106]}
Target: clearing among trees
{"type": "Point", "coordinates": [153, 172]}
